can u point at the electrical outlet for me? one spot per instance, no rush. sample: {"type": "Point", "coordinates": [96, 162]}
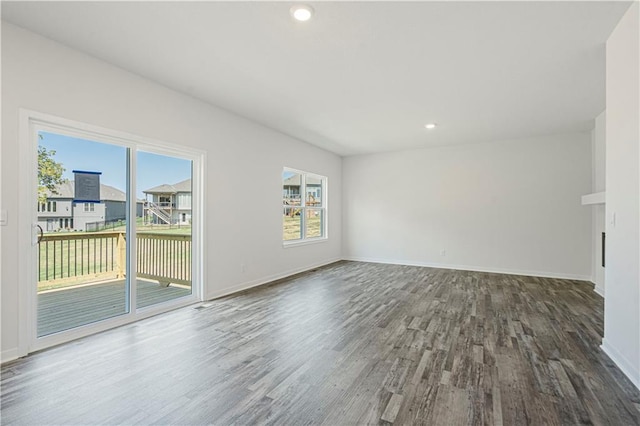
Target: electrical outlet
{"type": "Point", "coordinates": [242, 267]}
{"type": "Point", "coordinates": [443, 252]}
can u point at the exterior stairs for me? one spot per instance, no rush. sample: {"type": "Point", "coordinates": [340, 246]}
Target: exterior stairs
{"type": "Point", "coordinates": [159, 212]}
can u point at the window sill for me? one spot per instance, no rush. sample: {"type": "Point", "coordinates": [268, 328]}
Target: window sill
{"type": "Point", "coordinates": [295, 243]}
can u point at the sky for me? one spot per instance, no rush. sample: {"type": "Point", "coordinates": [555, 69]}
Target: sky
{"type": "Point", "coordinates": [111, 160]}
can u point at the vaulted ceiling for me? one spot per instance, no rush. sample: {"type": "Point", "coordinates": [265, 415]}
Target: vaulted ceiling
{"type": "Point", "coordinates": [359, 76]}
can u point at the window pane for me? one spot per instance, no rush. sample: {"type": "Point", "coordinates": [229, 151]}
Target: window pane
{"type": "Point", "coordinates": [164, 233]}
{"type": "Point", "coordinates": [314, 191]}
{"type": "Point", "coordinates": [292, 223]}
{"type": "Point", "coordinates": [81, 276]}
{"type": "Point", "coordinates": [315, 223]}
{"type": "Point", "coordinates": [291, 188]}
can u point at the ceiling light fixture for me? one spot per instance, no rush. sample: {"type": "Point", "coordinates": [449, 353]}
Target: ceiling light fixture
{"type": "Point", "coordinates": [301, 12]}
{"type": "Point", "coordinates": [430, 126]}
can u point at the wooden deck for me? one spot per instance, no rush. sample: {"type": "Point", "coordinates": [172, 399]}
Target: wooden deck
{"type": "Point", "coordinates": [72, 307]}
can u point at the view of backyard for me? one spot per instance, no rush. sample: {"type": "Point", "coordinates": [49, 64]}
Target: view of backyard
{"type": "Point", "coordinates": [68, 259]}
{"type": "Point", "coordinates": [85, 265]}
{"type": "Point", "coordinates": [292, 227]}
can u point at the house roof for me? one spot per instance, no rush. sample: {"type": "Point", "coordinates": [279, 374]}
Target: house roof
{"type": "Point", "coordinates": [295, 181]}
{"type": "Point", "coordinates": [107, 192]}
{"type": "Point", "coordinates": [292, 181]}
{"type": "Point", "coordinates": [183, 186]}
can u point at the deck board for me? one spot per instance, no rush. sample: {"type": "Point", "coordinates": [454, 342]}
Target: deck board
{"type": "Point", "coordinates": [64, 309]}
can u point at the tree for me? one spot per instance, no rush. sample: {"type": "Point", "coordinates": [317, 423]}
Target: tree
{"type": "Point", "coordinates": [49, 173]}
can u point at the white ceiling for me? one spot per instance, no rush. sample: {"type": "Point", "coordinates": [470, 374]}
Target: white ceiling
{"type": "Point", "coordinates": [361, 76]}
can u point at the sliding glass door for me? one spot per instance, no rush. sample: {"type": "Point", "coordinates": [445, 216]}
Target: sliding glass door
{"type": "Point", "coordinates": [82, 219]}
{"type": "Point", "coordinates": [113, 236]}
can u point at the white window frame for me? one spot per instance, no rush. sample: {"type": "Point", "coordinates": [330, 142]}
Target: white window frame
{"type": "Point", "coordinates": [31, 122]}
{"type": "Point", "coordinates": [303, 207]}
{"type": "Point", "coordinates": [89, 207]}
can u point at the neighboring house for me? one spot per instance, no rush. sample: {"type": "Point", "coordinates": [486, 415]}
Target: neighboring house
{"type": "Point", "coordinates": [169, 204]}
{"type": "Point", "coordinates": [60, 212]}
{"type": "Point", "coordinates": [291, 188]}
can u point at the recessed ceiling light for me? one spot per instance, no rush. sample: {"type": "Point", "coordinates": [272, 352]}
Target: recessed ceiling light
{"type": "Point", "coordinates": [430, 126]}
{"type": "Point", "coordinates": [301, 12]}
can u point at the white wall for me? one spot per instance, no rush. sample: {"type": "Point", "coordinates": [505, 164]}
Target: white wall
{"type": "Point", "coordinates": [598, 158]}
{"type": "Point", "coordinates": [511, 206]}
{"type": "Point", "coordinates": [47, 77]}
{"type": "Point", "coordinates": [622, 273]}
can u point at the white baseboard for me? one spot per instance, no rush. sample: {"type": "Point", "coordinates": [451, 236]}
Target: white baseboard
{"type": "Point", "coordinates": [473, 268]}
{"type": "Point", "coordinates": [599, 290]}
{"type": "Point", "coordinates": [266, 280]}
{"type": "Point", "coordinates": [629, 370]}
{"type": "Point", "coordinates": [8, 355]}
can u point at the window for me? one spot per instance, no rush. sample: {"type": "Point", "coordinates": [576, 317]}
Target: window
{"type": "Point", "coordinates": [89, 207]}
{"type": "Point", "coordinates": [184, 200]}
{"type": "Point", "coordinates": [54, 205]}
{"type": "Point", "coordinates": [304, 206]}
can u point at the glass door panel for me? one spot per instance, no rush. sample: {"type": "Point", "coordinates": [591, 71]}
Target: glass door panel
{"type": "Point", "coordinates": [163, 237]}
{"type": "Point", "coordinates": [82, 217]}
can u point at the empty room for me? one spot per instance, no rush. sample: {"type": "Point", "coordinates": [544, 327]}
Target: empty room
{"type": "Point", "coordinates": [339, 213]}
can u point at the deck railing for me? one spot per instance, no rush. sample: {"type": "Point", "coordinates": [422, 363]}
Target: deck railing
{"type": "Point", "coordinates": [165, 258]}
{"type": "Point", "coordinates": [74, 254]}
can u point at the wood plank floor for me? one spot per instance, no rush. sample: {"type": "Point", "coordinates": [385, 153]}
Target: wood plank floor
{"type": "Point", "coordinates": [350, 343]}
{"type": "Point", "coordinates": [71, 307]}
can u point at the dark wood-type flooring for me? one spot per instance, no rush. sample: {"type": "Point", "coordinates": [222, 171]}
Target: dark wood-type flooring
{"type": "Point", "coordinates": [350, 343]}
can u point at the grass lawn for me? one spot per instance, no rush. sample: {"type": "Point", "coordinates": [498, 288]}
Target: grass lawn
{"type": "Point", "coordinates": [62, 260]}
{"type": "Point", "coordinates": [145, 227]}
{"type": "Point", "coordinates": [165, 229]}
{"type": "Point", "coordinates": [158, 229]}
{"type": "Point", "coordinates": [291, 227]}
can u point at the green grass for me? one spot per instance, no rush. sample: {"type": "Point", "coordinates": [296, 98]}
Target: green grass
{"type": "Point", "coordinates": [142, 227]}
{"type": "Point", "coordinates": [69, 262]}
{"type": "Point", "coordinates": [291, 227]}
{"type": "Point", "coordinates": [165, 229]}
{"type": "Point", "coordinates": [158, 229]}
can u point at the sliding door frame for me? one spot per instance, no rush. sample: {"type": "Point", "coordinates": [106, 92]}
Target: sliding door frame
{"type": "Point", "coordinates": [32, 122]}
